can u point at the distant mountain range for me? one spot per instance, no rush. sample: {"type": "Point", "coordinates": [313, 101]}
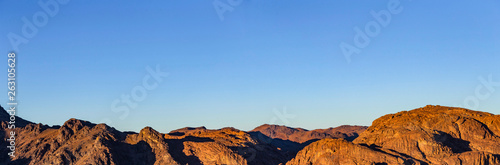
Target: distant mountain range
{"type": "Point", "coordinates": [427, 135]}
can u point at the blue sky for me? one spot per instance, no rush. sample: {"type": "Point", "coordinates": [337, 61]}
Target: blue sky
{"type": "Point", "coordinates": [263, 56]}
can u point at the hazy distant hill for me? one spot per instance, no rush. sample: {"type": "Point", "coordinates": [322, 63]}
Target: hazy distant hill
{"type": "Point", "coordinates": [428, 135]}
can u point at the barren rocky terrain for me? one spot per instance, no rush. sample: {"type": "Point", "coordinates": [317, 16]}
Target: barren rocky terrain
{"type": "Point", "coordinates": [428, 135]}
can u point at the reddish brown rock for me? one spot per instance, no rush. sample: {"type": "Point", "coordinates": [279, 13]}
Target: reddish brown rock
{"type": "Point", "coordinates": [81, 142]}
{"type": "Point", "coordinates": [433, 133]}
{"type": "Point", "coordinates": [222, 146]}
{"type": "Point", "coordinates": [340, 151]}
{"type": "Point", "coordinates": [428, 135]}
{"type": "Point", "coordinates": [76, 142]}
{"type": "Point", "coordinates": [301, 135]}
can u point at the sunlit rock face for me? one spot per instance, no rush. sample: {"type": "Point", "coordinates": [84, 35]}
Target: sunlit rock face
{"type": "Point", "coordinates": [428, 135]}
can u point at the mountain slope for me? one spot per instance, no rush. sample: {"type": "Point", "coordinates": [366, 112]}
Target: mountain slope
{"type": "Point", "coordinates": [428, 135]}
{"type": "Point", "coordinates": [82, 142]}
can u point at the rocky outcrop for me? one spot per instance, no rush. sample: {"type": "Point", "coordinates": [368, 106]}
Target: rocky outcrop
{"type": "Point", "coordinates": [222, 146]}
{"type": "Point", "coordinates": [155, 142]}
{"type": "Point", "coordinates": [212, 153]}
{"type": "Point", "coordinates": [76, 142]}
{"type": "Point", "coordinates": [428, 135]}
{"type": "Point", "coordinates": [437, 134]}
{"type": "Point", "coordinates": [340, 151]}
{"type": "Point", "coordinates": [290, 140]}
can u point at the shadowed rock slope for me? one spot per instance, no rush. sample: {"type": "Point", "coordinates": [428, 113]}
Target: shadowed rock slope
{"type": "Point", "coordinates": [291, 140]}
{"type": "Point", "coordinates": [428, 135]}
{"type": "Point", "coordinates": [81, 142]}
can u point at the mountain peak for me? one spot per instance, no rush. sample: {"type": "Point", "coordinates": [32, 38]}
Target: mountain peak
{"type": "Point", "coordinates": [148, 130]}
{"type": "Point", "coordinates": [77, 124]}
{"type": "Point", "coordinates": [4, 116]}
{"type": "Point", "coordinates": [301, 135]}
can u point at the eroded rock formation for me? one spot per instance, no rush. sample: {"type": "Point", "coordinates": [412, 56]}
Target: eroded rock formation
{"type": "Point", "coordinates": [428, 135]}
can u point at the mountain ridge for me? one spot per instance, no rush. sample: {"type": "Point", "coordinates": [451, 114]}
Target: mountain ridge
{"type": "Point", "coordinates": [427, 135]}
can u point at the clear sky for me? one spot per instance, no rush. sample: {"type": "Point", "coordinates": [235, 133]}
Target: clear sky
{"type": "Point", "coordinates": [262, 58]}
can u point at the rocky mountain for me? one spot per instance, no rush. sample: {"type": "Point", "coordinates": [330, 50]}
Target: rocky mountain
{"type": "Point", "coordinates": [301, 135]}
{"type": "Point", "coordinates": [292, 140]}
{"type": "Point", "coordinates": [81, 142]}
{"type": "Point", "coordinates": [428, 135]}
